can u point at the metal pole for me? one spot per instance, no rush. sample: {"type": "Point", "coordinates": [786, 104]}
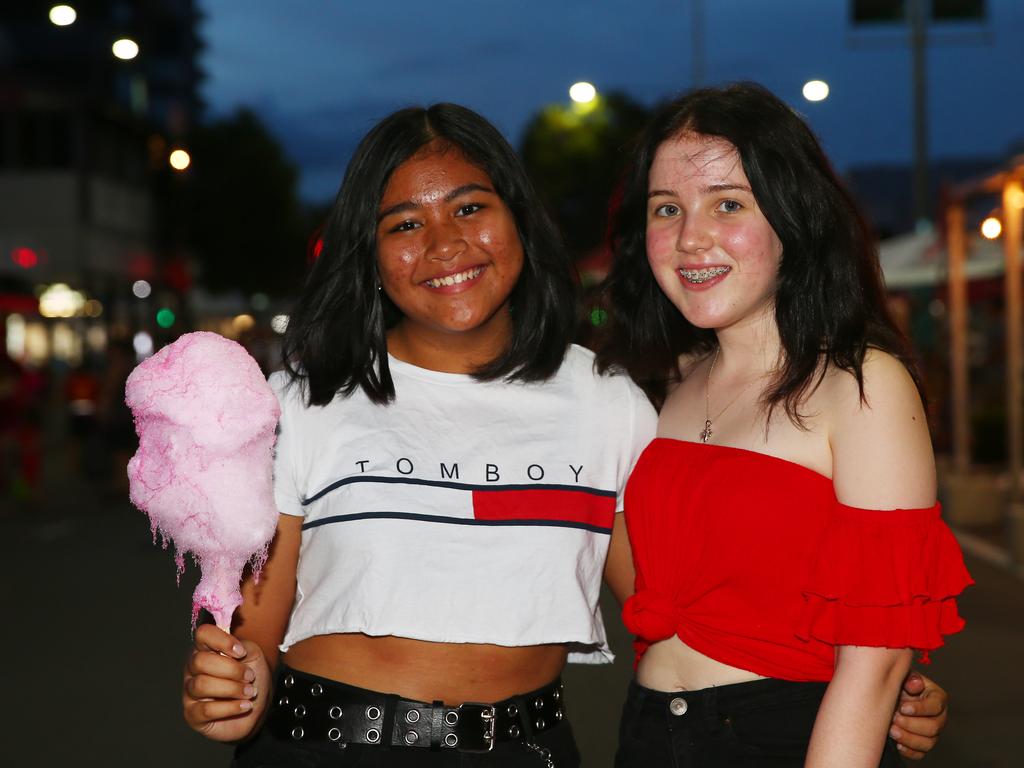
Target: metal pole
{"type": "Point", "coordinates": [1013, 211]}
{"type": "Point", "coordinates": [1013, 207]}
{"type": "Point", "coordinates": [918, 47]}
{"type": "Point", "coordinates": [957, 285]}
{"type": "Point", "coordinates": [697, 42]}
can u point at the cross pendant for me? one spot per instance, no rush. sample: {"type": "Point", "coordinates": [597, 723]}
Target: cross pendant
{"type": "Point", "coordinates": [705, 434]}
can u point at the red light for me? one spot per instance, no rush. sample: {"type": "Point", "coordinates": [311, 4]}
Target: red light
{"type": "Point", "coordinates": [318, 247]}
{"type": "Point", "coordinates": [25, 258]}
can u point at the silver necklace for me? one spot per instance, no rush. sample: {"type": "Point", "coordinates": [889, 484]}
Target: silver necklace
{"type": "Point", "coordinates": [706, 433]}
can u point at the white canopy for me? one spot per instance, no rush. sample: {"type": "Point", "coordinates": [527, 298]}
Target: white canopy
{"type": "Point", "coordinates": [920, 259]}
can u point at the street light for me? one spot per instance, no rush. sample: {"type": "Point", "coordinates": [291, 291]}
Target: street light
{"type": "Point", "coordinates": [991, 227]}
{"type": "Point", "coordinates": [63, 15]}
{"type": "Point", "coordinates": [125, 49]}
{"type": "Point", "coordinates": [179, 159]}
{"type": "Point", "coordinates": [582, 92]}
{"type": "Point", "coordinates": [815, 90]}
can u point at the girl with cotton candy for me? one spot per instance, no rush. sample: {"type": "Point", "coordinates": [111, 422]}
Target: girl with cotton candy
{"type": "Point", "coordinates": [788, 545]}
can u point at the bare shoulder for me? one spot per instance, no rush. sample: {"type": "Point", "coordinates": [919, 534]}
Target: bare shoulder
{"type": "Point", "coordinates": [881, 448]}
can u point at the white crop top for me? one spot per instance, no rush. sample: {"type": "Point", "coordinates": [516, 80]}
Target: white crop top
{"type": "Point", "coordinates": [464, 511]}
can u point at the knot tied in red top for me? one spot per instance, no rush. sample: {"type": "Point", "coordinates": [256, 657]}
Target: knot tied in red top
{"type": "Point", "coordinates": [650, 614]}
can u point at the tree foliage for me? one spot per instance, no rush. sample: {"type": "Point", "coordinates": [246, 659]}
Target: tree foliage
{"type": "Point", "coordinates": [245, 224]}
{"type": "Point", "coordinates": [575, 155]}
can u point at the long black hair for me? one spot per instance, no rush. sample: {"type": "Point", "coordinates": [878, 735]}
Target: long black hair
{"type": "Point", "coordinates": [336, 341]}
{"type": "Point", "coordinates": [830, 303]}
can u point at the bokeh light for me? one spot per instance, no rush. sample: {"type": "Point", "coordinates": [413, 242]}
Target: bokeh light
{"type": "Point", "coordinates": [141, 289]}
{"type": "Point", "coordinates": [165, 317]}
{"type": "Point", "coordinates": [582, 92]}
{"type": "Point", "coordinates": [60, 300]}
{"type": "Point", "coordinates": [125, 49]}
{"type": "Point", "coordinates": [991, 227]}
{"type": "Point", "coordinates": [143, 344]}
{"type": "Point", "coordinates": [63, 15]}
{"type": "Point", "coordinates": [26, 258]}
{"type": "Point", "coordinates": [279, 323]}
{"type": "Point", "coordinates": [179, 159]}
{"type": "Point", "coordinates": [242, 323]}
{"type": "Point", "coordinates": [815, 90]}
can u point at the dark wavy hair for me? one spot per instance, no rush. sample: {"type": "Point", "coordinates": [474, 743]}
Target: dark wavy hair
{"type": "Point", "coordinates": [336, 341]}
{"type": "Point", "coordinates": [830, 303]}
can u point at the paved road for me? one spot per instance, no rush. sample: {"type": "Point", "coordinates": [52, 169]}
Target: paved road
{"type": "Point", "coordinates": [96, 630]}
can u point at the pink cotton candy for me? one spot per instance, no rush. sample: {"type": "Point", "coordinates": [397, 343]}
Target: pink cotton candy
{"type": "Point", "coordinates": [203, 473]}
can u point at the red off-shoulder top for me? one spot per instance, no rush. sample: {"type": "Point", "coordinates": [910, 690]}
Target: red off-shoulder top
{"type": "Point", "coordinates": [752, 561]}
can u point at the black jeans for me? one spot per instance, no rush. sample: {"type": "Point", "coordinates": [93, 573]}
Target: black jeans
{"type": "Point", "coordinates": [760, 723]}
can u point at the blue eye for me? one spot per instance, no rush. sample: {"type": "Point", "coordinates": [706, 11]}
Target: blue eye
{"type": "Point", "coordinates": [729, 206]}
{"type": "Point", "coordinates": [668, 209]}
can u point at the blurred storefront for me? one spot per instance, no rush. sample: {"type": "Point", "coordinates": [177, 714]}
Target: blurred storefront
{"type": "Point", "coordinates": [87, 125]}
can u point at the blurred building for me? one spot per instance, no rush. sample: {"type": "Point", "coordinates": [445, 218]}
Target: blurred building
{"type": "Point", "coordinates": [85, 138]}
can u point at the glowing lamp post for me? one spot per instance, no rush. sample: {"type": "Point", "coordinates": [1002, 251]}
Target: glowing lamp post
{"type": "Point", "coordinates": [179, 159]}
{"type": "Point", "coordinates": [582, 92]}
{"type": "Point", "coordinates": [991, 228]}
{"type": "Point", "coordinates": [815, 90]}
{"type": "Point", "coordinates": [63, 15]}
{"type": "Point", "coordinates": [125, 49]}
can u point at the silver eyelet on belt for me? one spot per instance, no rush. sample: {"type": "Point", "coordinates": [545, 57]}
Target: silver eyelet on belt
{"type": "Point", "coordinates": [513, 731]}
{"type": "Point", "coordinates": [512, 710]}
{"type": "Point", "coordinates": [540, 723]}
{"type": "Point", "coordinates": [283, 701]}
{"type": "Point", "coordinates": [317, 689]}
{"type": "Point", "coordinates": [335, 713]}
{"type": "Point", "coordinates": [412, 716]}
{"type": "Point", "coordinates": [558, 714]}
{"type": "Point", "coordinates": [298, 733]}
{"type": "Point", "coordinates": [556, 694]}
{"type": "Point", "coordinates": [451, 740]}
{"type": "Point", "coordinates": [451, 717]}
{"type": "Point", "coordinates": [334, 734]}
{"type": "Point", "coordinates": [411, 737]}
{"type": "Point", "coordinates": [538, 703]}
{"type": "Point", "coordinates": [373, 713]}
{"type": "Point", "coordinates": [373, 735]}
{"type": "Point", "coordinates": [289, 681]}
{"type": "Point", "coordinates": [300, 711]}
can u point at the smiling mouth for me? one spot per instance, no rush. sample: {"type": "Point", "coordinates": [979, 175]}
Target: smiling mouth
{"type": "Point", "coordinates": [458, 277]}
{"type": "Point", "coordinates": [702, 275]}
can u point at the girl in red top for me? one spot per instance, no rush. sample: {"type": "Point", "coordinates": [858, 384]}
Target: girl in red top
{"type": "Point", "coordinates": [788, 548]}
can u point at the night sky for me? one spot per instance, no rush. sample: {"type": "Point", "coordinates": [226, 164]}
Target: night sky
{"type": "Point", "coordinates": [321, 72]}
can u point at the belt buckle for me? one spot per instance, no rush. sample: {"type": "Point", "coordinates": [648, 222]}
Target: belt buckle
{"type": "Point", "coordinates": [470, 737]}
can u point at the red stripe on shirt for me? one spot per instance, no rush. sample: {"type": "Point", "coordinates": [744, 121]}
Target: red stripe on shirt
{"type": "Point", "coordinates": [564, 506]}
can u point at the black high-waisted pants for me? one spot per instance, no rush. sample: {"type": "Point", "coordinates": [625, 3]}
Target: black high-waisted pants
{"type": "Point", "coordinates": [745, 725]}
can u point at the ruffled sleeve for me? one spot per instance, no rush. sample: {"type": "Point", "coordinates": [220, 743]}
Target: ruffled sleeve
{"type": "Point", "coordinates": [884, 579]}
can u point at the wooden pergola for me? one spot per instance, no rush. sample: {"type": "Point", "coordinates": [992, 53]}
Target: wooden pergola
{"type": "Point", "coordinates": [1009, 185]}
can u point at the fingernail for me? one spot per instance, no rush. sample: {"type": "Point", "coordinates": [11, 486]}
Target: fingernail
{"type": "Point", "coordinates": [245, 706]}
{"type": "Point", "coordinates": [249, 675]}
{"type": "Point", "coordinates": [238, 650]}
{"type": "Point", "coordinates": [907, 709]}
{"type": "Point", "coordinates": [249, 691]}
{"type": "Point", "coordinates": [894, 732]}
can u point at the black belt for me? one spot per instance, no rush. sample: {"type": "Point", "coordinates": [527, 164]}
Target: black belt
{"type": "Point", "coordinates": [312, 708]}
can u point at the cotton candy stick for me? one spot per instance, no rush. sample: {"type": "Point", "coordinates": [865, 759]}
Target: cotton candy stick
{"type": "Point", "coordinates": [206, 419]}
